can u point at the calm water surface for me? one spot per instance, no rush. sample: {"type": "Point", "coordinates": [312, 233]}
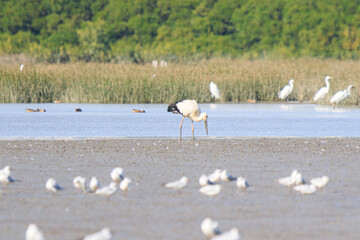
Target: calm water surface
{"type": "Point", "coordinates": [225, 120]}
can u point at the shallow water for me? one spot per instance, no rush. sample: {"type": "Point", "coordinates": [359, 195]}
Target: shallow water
{"type": "Point", "coordinates": [225, 120]}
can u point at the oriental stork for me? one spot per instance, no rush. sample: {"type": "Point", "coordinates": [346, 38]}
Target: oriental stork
{"type": "Point", "coordinates": [323, 91]}
{"type": "Point", "coordinates": [341, 95]}
{"type": "Point", "coordinates": [285, 92]}
{"type": "Point", "coordinates": [190, 109]}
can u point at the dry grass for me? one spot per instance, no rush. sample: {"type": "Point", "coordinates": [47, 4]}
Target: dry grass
{"type": "Point", "coordinates": [238, 80]}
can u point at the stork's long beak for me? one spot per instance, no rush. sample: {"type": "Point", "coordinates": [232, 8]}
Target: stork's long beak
{"type": "Point", "coordinates": [205, 122]}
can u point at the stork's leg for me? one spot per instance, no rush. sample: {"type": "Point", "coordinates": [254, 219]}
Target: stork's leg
{"type": "Point", "coordinates": [192, 128]}
{"type": "Point", "coordinates": [181, 126]}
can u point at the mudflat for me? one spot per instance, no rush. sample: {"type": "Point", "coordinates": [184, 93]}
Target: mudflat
{"type": "Point", "coordinates": [265, 210]}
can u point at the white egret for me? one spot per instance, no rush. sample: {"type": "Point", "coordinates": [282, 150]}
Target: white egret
{"type": "Point", "coordinates": [117, 174]}
{"type": "Point", "coordinates": [209, 227]}
{"type": "Point", "coordinates": [232, 234]}
{"type": "Point", "coordinates": [306, 188]}
{"type": "Point", "coordinates": [285, 92]}
{"type": "Point", "coordinates": [214, 90]}
{"type": "Point", "coordinates": [190, 109]}
{"type": "Point", "coordinates": [94, 184]}
{"type": "Point", "coordinates": [210, 190]}
{"type": "Point", "coordinates": [320, 181]}
{"type": "Point", "coordinates": [108, 190]}
{"type": "Point", "coordinates": [124, 185]}
{"type": "Point", "coordinates": [104, 234]}
{"type": "Point", "coordinates": [179, 184]}
{"type": "Point", "coordinates": [226, 177]}
{"type": "Point", "coordinates": [21, 67]}
{"type": "Point", "coordinates": [155, 63]}
{"type": "Point", "coordinates": [323, 91]}
{"type": "Point", "coordinates": [33, 233]}
{"type": "Point", "coordinates": [341, 95]}
{"type": "Point", "coordinates": [79, 183]}
{"type": "Point", "coordinates": [241, 183]}
{"type": "Point", "coordinates": [52, 185]}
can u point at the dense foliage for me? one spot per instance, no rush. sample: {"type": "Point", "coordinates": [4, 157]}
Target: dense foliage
{"type": "Point", "coordinates": [140, 30]}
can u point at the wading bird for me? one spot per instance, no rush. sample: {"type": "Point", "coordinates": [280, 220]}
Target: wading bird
{"type": "Point", "coordinates": [190, 109]}
{"type": "Point", "coordinates": [285, 92]}
{"type": "Point", "coordinates": [21, 67]}
{"type": "Point", "coordinates": [323, 91]}
{"type": "Point", "coordinates": [341, 95]}
{"type": "Point", "coordinates": [214, 90]}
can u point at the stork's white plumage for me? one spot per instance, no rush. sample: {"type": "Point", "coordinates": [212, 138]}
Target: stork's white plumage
{"type": "Point", "coordinates": [214, 90]}
{"type": "Point", "coordinates": [285, 92]}
{"type": "Point", "coordinates": [341, 95]}
{"type": "Point", "coordinates": [190, 109]}
{"type": "Point", "coordinates": [323, 91]}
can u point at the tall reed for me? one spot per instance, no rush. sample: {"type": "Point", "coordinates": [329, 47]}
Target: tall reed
{"type": "Point", "coordinates": [238, 81]}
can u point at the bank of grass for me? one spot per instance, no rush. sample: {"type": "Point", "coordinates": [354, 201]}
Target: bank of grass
{"type": "Point", "coordinates": [238, 81]}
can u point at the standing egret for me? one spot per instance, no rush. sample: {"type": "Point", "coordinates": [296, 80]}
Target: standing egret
{"type": "Point", "coordinates": [323, 91]}
{"type": "Point", "coordinates": [190, 109]}
{"type": "Point", "coordinates": [21, 67]}
{"type": "Point", "coordinates": [341, 95]}
{"type": "Point", "coordinates": [214, 90]}
{"type": "Point", "coordinates": [285, 92]}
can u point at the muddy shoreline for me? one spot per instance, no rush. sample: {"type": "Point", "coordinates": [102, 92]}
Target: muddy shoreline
{"type": "Point", "coordinates": [266, 210]}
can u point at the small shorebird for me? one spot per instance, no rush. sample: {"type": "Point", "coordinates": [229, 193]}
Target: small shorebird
{"type": "Point", "coordinates": [179, 184]}
{"type": "Point", "coordinates": [107, 191]}
{"type": "Point", "coordinates": [209, 228]}
{"type": "Point", "coordinates": [226, 177]}
{"type": "Point", "coordinates": [79, 183]}
{"type": "Point", "coordinates": [320, 181]}
{"type": "Point", "coordinates": [5, 176]}
{"type": "Point", "coordinates": [210, 190]}
{"type": "Point", "coordinates": [94, 184]}
{"type": "Point", "coordinates": [117, 174]}
{"type": "Point", "coordinates": [241, 183]}
{"type": "Point", "coordinates": [232, 234]}
{"type": "Point", "coordinates": [215, 176]}
{"type": "Point", "coordinates": [125, 183]}
{"type": "Point", "coordinates": [104, 234]}
{"type": "Point", "coordinates": [306, 188]}
{"type": "Point", "coordinates": [33, 233]}
{"type": "Point", "coordinates": [52, 186]}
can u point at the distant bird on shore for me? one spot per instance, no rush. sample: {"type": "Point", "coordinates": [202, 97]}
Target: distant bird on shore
{"type": "Point", "coordinates": [203, 181]}
{"type": "Point", "coordinates": [117, 174]}
{"type": "Point", "coordinates": [320, 181]}
{"type": "Point", "coordinates": [211, 190]}
{"type": "Point", "coordinates": [5, 176]}
{"type": "Point", "coordinates": [190, 109]}
{"type": "Point", "coordinates": [138, 111]}
{"type": "Point", "coordinates": [226, 176]}
{"type": "Point", "coordinates": [52, 185]}
{"type": "Point", "coordinates": [104, 234]}
{"type": "Point", "coordinates": [214, 90]}
{"type": "Point", "coordinates": [215, 176]}
{"type": "Point", "coordinates": [294, 179]}
{"type": "Point", "coordinates": [21, 67]}
{"type": "Point", "coordinates": [306, 188]}
{"type": "Point", "coordinates": [125, 183]}
{"type": "Point", "coordinates": [241, 183]}
{"type": "Point", "coordinates": [209, 228]}
{"type": "Point", "coordinates": [79, 183]}
{"type": "Point", "coordinates": [323, 91]}
{"type": "Point", "coordinates": [232, 234]}
{"type": "Point", "coordinates": [33, 233]}
{"type": "Point", "coordinates": [285, 92]}
{"type": "Point", "coordinates": [107, 191]}
{"type": "Point", "coordinates": [94, 184]}
{"type": "Point", "coordinates": [341, 95]}
{"type": "Point", "coordinates": [179, 184]}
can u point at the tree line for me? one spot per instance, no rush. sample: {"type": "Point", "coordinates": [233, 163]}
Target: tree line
{"type": "Point", "coordinates": [141, 30]}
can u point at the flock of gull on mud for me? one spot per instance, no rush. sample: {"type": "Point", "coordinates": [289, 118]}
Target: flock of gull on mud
{"type": "Point", "coordinates": [210, 186]}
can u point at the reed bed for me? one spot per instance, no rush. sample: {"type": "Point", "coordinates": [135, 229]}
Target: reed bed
{"type": "Point", "coordinates": [238, 81]}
